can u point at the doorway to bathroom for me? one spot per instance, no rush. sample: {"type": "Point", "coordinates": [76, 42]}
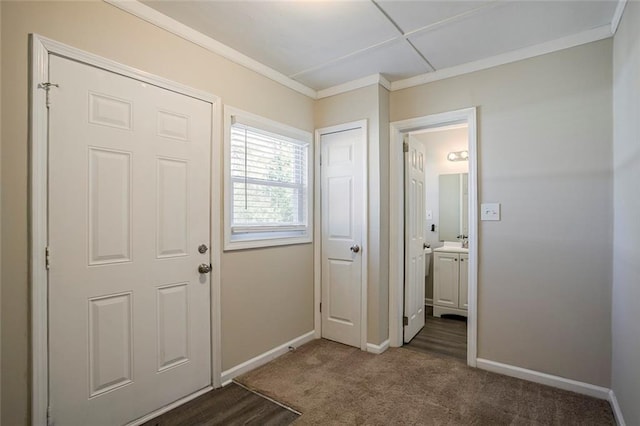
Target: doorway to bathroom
{"type": "Point", "coordinates": [436, 217]}
{"type": "Point", "coordinates": [433, 216]}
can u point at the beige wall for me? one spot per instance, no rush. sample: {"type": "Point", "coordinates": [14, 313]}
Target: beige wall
{"type": "Point", "coordinates": [544, 143]}
{"type": "Point", "coordinates": [437, 145]}
{"type": "Point", "coordinates": [267, 294]}
{"type": "Point", "coordinates": [626, 202]}
{"type": "Point", "coordinates": [366, 103]}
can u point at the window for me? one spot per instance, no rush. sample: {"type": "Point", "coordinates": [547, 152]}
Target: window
{"type": "Point", "coordinates": [267, 176]}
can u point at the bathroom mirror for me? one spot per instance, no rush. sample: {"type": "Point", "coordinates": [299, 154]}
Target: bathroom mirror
{"type": "Point", "coordinates": [453, 206]}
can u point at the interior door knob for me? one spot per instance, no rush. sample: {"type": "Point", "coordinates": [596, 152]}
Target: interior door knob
{"type": "Point", "coordinates": [355, 248]}
{"type": "Point", "coordinates": [204, 268]}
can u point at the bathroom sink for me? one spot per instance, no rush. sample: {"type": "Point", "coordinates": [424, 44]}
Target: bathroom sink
{"type": "Point", "coordinates": [452, 247]}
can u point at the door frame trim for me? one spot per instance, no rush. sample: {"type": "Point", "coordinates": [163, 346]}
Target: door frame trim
{"type": "Point", "coordinates": [396, 221]}
{"type": "Point", "coordinates": [39, 50]}
{"type": "Point", "coordinates": [317, 228]}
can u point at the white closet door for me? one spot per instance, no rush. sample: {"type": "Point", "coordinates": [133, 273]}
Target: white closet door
{"type": "Point", "coordinates": [342, 187]}
{"type": "Point", "coordinates": [129, 205]}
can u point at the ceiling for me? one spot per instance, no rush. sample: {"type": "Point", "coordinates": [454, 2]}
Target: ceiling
{"type": "Point", "coordinates": [322, 44]}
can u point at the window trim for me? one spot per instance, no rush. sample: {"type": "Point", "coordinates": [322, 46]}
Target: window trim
{"type": "Point", "coordinates": [247, 237]}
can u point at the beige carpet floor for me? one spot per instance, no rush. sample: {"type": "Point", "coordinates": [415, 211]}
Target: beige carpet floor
{"type": "Point", "coordinates": [330, 383]}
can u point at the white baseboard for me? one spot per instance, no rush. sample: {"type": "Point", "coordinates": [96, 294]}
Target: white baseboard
{"type": "Point", "coordinates": [544, 378]}
{"type": "Point", "coordinates": [617, 412]}
{"type": "Point", "coordinates": [428, 302]}
{"type": "Point", "coordinates": [378, 349]}
{"type": "Point", "coordinates": [264, 358]}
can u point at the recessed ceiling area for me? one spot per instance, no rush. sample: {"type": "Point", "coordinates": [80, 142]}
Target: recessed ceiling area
{"type": "Point", "coordinates": [322, 44]}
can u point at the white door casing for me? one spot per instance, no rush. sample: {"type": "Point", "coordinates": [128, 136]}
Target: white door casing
{"type": "Point", "coordinates": [342, 234]}
{"type": "Point", "coordinates": [396, 220]}
{"type": "Point", "coordinates": [129, 313]}
{"type": "Point", "coordinates": [414, 273]}
{"type": "Point", "coordinates": [463, 296]}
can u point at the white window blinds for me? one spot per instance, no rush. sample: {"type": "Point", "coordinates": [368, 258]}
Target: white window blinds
{"type": "Point", "coordinates": [269, 187]}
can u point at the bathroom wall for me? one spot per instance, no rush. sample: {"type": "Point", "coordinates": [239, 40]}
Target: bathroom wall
{"type": "Point", "coordinates": [437, 144]}
{"type": "Point", "coordinates": [626, 204]}
{"type": "Point", "coordinates": [545, 153]}
{"type": "Point", "coordinates": [263, 306]}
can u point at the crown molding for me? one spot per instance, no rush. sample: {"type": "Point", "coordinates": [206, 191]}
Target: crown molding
{"type": "Point", "coordinates": [353, 85]}
{"type": "Point", "coordinates": [617, 16]}
{"type": "Point", "coordinates": [584, 37]}
{"type": "Point", "coordinates": [158, 19]}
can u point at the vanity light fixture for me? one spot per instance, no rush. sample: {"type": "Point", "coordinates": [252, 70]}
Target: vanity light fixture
{"type": "Point", "coordinates": [458, 156]}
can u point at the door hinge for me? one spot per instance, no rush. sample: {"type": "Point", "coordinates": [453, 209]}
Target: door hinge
{"type": "Point", "coordinates": [47, 257]}
{"type": "Point", "coordinates": [405, 146]}
{"type": "Point", "coordinates": [320, 306]}
{"type": "Point", "coordinates": [405, 320]}
{"type": "Point", "coordinates": [47, 87]}
{"type": "Point", "coordinates": [321, 160]}
{"type": "Point", "coordinates": [49, 418]}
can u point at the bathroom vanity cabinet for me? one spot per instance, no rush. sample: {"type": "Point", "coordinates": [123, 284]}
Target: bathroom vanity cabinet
{"type": "Point", "coordinates": [450, 282]}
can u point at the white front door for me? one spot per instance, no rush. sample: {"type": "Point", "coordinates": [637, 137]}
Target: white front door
{"type": "Point", "coordinates": [414, 273]}
{"type": "Point", "coordinates": [342, 208]}
{"type": "Point", "coordinates": [129, 312]}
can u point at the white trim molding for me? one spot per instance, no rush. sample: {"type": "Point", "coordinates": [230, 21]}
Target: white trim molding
{"type": "Point", "coordinates": [544, 378]}
{"type": "Point", "coordinates": [396, 220]}
{"type": "Point", "coordinates": [353, 85]}
{"type": "Point", "coordinates": [617, 16]}
{"type": "Point", "coordinates": [617, 411]}
{"type": "Point", "coordinates": [265, 357]}
{"type": "Point", "coordinates": [573, 40]}
{"type": "Point", "coordinates": [378, 349]}
{"type": "Point", "coordinates": [161, 20]}
{"type": "Point", "coordinates": [317, 228]}
{"type": "Point", "coordinates": [40, 49]}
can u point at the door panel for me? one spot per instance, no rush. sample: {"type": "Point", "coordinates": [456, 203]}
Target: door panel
{"type": "Point", "coordinates": [342, 207]}
{"type": "Point", "coordinates": [414, 286]}
{"type": "Point", "coordinates": [129, 314]}
{"type": "Point", "coordinates": [445, 288]}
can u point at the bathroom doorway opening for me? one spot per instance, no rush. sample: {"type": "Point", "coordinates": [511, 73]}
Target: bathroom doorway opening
{"type": "Point", "coordinates": [433, 252]}
{"type": "Point", "coordinates": [436, 230]}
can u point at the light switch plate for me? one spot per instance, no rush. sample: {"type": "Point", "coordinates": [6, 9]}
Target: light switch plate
{"type": "Point", "coordinates": [429, 214]}
{"type": "Point", "coordinates": [490, 211]}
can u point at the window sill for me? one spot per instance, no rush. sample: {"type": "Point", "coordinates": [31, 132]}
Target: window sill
{"type": "Point", "coordinates": [253, 241]}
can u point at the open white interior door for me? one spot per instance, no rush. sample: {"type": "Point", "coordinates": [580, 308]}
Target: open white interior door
{"type": "Point", "coordinates": [129, 206]}
{"type": "Point", "coordinates": [414, 272]}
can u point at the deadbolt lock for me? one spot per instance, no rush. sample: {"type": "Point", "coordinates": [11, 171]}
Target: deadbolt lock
{"type": "Point", "coordinates": [202, 248]}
